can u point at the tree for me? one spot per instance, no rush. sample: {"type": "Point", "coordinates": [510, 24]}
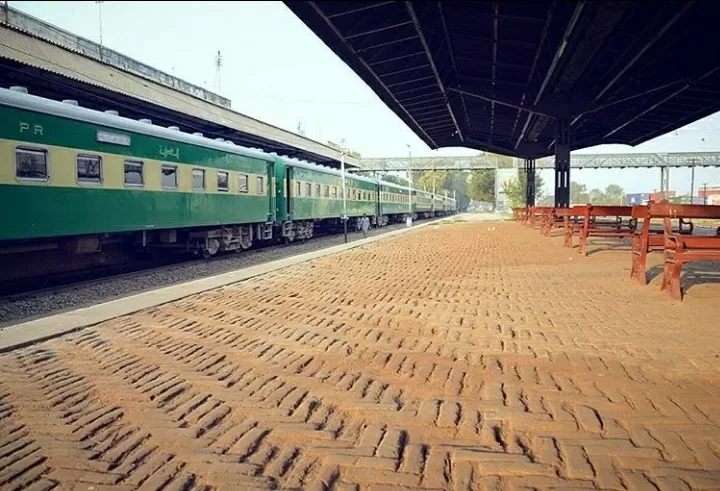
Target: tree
{"type": "Point", "coordinates": [457, 182]}
{"type": "Point", "coordinates": [482, 186]}
{"type": "Point", "coordinates": [578, 193]}
{"type": "Point", "coordinates": [515, 189]}
{"type": "Point", "coordinates": [615, 195]}
{"type": "Point", "coordinates": [394, 179]}
{"type": "Point", "coordinates": [514, 192]}
{"type": "Point", "coordinates": [596, 196]}
{"type": "Point", "coordinates": [430, 180]}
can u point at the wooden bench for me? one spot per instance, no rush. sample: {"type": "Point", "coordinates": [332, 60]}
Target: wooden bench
{"type": "Point", "coordinates": [519, 214]}
{"type": "Point", "coordinates": [572, 219]}
{"type": "Point", "coordinates": [591, 227]}
{"type": "Point", "coordinates": [646, 239]}
{"type": "Point", "coordinates": [680, 247]}
{"type": "Point", "coordinates": [547, 221]}
{"type": "Point", "coordinates": [534, 212]}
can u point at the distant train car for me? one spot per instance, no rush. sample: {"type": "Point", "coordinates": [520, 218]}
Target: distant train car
{"type": "Point", "coordinates": [81, 176]}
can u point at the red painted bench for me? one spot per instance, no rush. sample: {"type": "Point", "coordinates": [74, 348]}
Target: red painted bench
{"type": "Point", "coordinates": [618, 227]}
{"type": "Point", "coordinates": [520, 214]}
{"type": "Point", "coordinates": [572, 220]}
{"type": "Point", "coordinates": [646, 239]}
{"type": "Point", "coordinates": [679, 247]}
{"type": "Point", "coordinates": [535, 212]}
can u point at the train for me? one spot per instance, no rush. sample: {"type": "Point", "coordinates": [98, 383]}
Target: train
{"type": "Point", "coordinates": [82, 178]}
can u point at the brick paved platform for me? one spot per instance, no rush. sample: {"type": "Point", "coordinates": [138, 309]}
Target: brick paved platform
{"type": "Point", "coordinates": [464, 356]}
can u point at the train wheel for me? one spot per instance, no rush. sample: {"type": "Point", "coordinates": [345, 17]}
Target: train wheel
{"type": "Point", "coordinates": [213, 245]}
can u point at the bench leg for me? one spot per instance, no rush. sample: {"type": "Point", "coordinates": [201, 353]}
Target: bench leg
{"type": "Point", "coordinates": [671, 279]}
{"type": "Point", "coordinates": [639, 259]}
{"type": "Point", "coordinates": [582, 248]}
{"type": "Point", "coordinates": [568, 236]}
{"type": "Point", "coordinates": [675, 290]}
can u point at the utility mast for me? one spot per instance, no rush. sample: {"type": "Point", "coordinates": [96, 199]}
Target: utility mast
{"type": "Point", "coordinates": [218, 66]}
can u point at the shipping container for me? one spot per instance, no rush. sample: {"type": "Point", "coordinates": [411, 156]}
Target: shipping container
{"type": "Point", "coordinates": [637, 198]}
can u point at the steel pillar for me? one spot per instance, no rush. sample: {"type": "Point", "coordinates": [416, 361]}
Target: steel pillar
{"type": "Point", "coordinates": [665, 182]}
{"type": "Point", "coordinates": [562, 164]}
{"type": "Point", "coordinates": [692, 186]}
{"type": "Point", "coordinates": [530, 182]}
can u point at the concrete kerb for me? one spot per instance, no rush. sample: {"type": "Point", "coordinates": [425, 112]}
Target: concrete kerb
{"type": "Point", "coordinates": [25, 334]}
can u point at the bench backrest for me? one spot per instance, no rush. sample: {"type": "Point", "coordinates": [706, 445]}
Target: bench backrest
{"type": "Point", "coordinates": [668, 211]}
{"type": "Point", "coordinates": [672, 210]}
{"type": "Point", "coordinates": [610, 211]}
{"type": "Point", "coordinates": [578, 210]}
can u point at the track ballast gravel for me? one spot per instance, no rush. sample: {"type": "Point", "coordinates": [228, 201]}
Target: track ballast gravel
{"type": "Point", "coordinates": [62, 299]}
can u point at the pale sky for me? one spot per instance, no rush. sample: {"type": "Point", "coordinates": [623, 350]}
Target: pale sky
{"type": "Point", "coordinates": [276, 70]}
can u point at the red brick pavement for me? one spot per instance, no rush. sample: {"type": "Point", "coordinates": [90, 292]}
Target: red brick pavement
{"type": "Point", "coordinates": [464, 356]}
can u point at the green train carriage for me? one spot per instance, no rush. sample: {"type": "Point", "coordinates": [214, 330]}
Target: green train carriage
{"type": "Point", "coordinates": [80, 175]}
{"type": "Point", "coordinates": [76, 173]}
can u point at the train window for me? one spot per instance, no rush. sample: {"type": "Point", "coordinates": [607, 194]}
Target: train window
{"type": "Point", "coordinates": [259, 185]}
{"type": "Point", "coordinates": [308, 190]}
{"type": "Point", "coordinates": [31, 164]}
{"type": "Point", "coordinates": [335, 193]}
{"type": "Point", "coordinates": [327, 191]}
{"type": "Point", "coordinates": [134, 173]}
{"type": "Point", "coordinates": [243, 183]}
{"type": "Point", "coordinates": [222, 181]}
{"type": "Point", "coordinates": [297, 189]}
{"type": "Point", "coordinates": [198, 179]}
{"type": "Point", "coordinates": [318, 190]}
{"type": "Point", "coordinates": [168, 176]}
{"type": "Point", "coordinates": [89, 169]}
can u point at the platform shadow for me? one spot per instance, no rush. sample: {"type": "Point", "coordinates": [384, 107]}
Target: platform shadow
{"type": "Point", "coordinates": [698, 273]}
{"type": "Point", "coordinates": [609, 245]}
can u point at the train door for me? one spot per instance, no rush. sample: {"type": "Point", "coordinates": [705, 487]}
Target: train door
{"type": "Point", "coordinates": [270, 189]}
{"type": "Point", "coordinates": [281, 195]}
{"type": "Point", "coordinates": [288, 192]}
{"type": "Point", "coordinates": [378, 210]}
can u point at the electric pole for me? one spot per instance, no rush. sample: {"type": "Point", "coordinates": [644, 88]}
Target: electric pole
{"type": "Point", "coordinates": [218, 66]}
{"type": "Point", "coordinates": [99, 4]}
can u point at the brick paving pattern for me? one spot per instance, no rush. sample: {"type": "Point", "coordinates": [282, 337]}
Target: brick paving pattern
{"type": "Point", "coordinates": [466, 356]}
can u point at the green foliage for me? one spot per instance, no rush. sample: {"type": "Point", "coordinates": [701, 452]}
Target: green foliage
{"type": "Point", "coordinates": [445, 182]}
{"type": "Point", "coordinates": [429, 180]}
{"type": "Point", "coordinates": [515, 189]}
{"type": "Point", "coordinates": [457, 181]}
{"type": "Point", "coordinates": [514, 192]}
{"type": "Point", "coordinates": [394, 179]}
{"type": "Point", "coordinates": [482, 186]}
{"type": "Point", "coordinates": [612, 195]}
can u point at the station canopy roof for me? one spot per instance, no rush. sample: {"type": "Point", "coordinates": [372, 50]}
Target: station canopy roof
{"type": "Point", "coordinates": [56, 64]}
{"type": "Point", "coordinates": [495, 76]}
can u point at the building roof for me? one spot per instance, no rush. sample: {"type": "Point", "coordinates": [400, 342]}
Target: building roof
{"type": "Point", "coordinates": [495, 76]}
{"type": "Point", "coordinates": [56, 64]}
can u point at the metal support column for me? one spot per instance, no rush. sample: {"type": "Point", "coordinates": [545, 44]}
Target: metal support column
{"type": "Point", "coordinates": [665, 182]}
{"type": "Point", "coordinates": [530, 182]}
{"type": "Point", "coordinates": [692, 186]}
{"type": "Point", "coordinates": [562, 164]}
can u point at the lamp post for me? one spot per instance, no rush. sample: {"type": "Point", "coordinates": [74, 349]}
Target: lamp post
{"type": "Point", "coordinates": [344, 193]}
{"type": "Point", "coordinates": [99, 4]}
{"type": "Point", "coordinates": [410, 209]}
